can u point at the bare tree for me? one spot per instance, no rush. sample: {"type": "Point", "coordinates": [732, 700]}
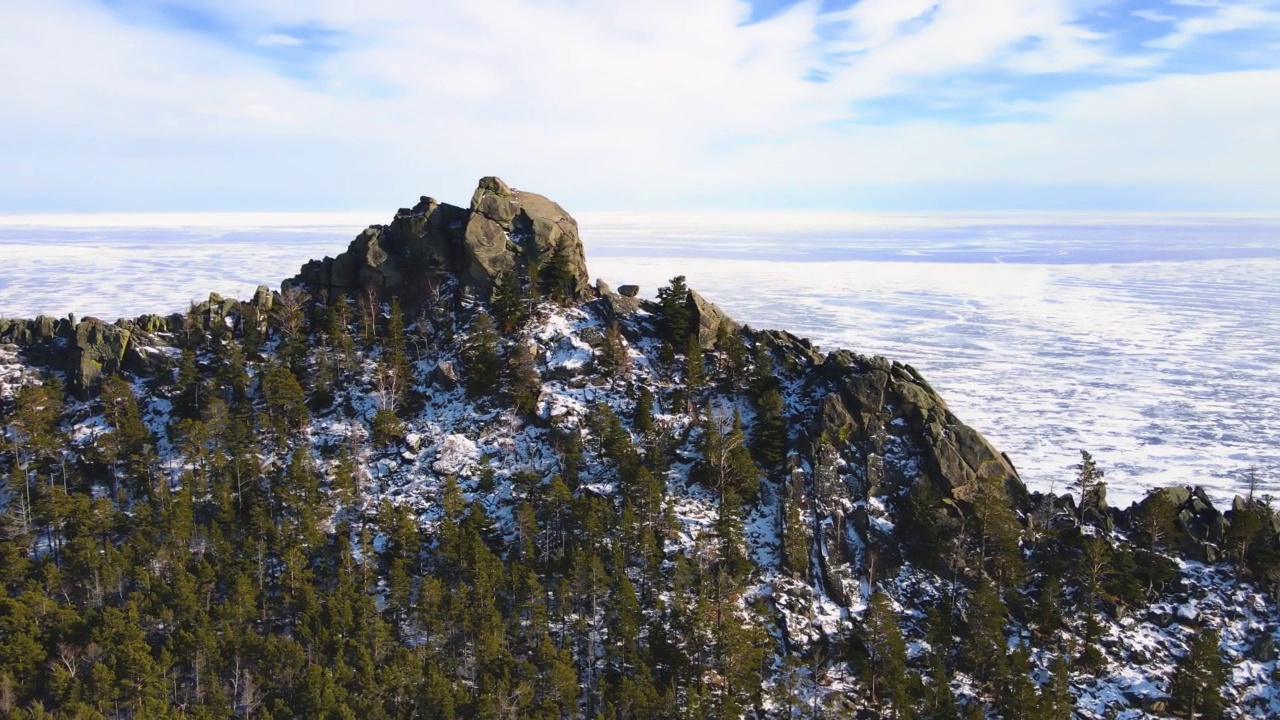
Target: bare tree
{"type": "Point", "coordinates": [390, 386]}
{"type": "Point", "coordinates": [250, 695]}
{"type": "Point", "coordinates": [422, 335]}
{"type": "Point", "coordinates": [369, 309]}
{"type": "Point", "coordinates": [8, 695]}
{"type": "Point", "coordinates": [290, 312]}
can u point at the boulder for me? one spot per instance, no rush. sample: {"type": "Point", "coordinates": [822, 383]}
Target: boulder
{"type": "Point", "coordinates": [151, 324]}
{"type": "Point", "coordinates": [705, 319]}
{"type": "Point", "coordinates": [97, 350]}
{"type": "Point", "coordinates": [263, 298]}
{"type": "Point", "coordinates": [44, 328]}
{"type": "Point", "coordinates": [539, 230]}
{"type": "Point", "coordinates": [629, 290]}
{"type": "Point", "coordinates": [445, 375]}
{"type": "Point", "coordinates": [616, 307]}
{"type": "Point", "coordinates": [796, 351]}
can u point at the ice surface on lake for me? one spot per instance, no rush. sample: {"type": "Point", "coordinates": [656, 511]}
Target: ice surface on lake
{"type": "Point", "coordinates": [1153, 342]}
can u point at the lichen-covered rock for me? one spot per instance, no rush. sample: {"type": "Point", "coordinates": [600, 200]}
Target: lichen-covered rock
{"type": "Point", "coordinates": [706, 319]}
{"type": "Point", "coordinates": [263, 298]}
{"type": "Point", "coordinates": [503, 230]}
{"type": "Point", "coordinates": [535, 230]}
{"type": "Point", "coordinates": [98, 349]}
{"type": "Point", "coordinates": [629, 290]}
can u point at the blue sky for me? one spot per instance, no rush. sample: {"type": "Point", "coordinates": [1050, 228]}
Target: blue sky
{"type": "Point", "coordinates": [195, 105]}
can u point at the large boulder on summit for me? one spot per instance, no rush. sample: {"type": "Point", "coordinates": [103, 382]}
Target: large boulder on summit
{"type": "Point", "coordinates": [509, 228]}
{"type": "Point", "coordinates": [503, 230]}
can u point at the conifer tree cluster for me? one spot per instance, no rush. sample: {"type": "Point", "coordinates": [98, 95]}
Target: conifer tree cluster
{"type": "Point", "coordinates": [198, 552]}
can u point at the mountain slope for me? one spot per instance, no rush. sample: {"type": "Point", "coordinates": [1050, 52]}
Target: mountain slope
{"type": "Point", "coordinates": [443, 475]}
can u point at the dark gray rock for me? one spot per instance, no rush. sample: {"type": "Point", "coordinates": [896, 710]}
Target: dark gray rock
{"type": "Point", "coordinates": [445, 375]}
{"type": "Point", "coordinates": [616, 307]}
{"type": "Point", "coordinates": [98, 350]}
{"type": "Point", "coordinates": [834, 422]}
{"type": "Point", "coordinates": [629, 290]}
{"type": "Point", "coordinates": [1263, 649]}
{"type": "Point", "coordinates": [503, 230]}
{"type": "Point", "coordinates": [706, 319]}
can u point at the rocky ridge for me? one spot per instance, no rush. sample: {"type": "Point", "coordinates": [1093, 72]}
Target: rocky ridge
{"type": "Point", "coordinates": [888, 431]}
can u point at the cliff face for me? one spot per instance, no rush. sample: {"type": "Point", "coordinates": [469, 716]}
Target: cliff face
{"type": "Point", "coordinates": [504, 231]}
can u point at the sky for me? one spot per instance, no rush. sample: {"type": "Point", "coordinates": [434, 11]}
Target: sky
{"type": "Point", "coordinates": [873, 105]}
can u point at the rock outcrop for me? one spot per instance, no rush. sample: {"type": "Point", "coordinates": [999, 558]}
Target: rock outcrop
{"type": "Point", "coordinates": [887, 408]}
{"type": "Point", "coordinates": [503, 230]}
{"type": "Point", "coordinates": [706, 319]}
{"type": "Point", "coordinates": [98, 349]}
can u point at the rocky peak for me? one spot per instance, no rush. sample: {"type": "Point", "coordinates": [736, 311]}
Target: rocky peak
{"type": "Point", "coordinates": [503, 230]}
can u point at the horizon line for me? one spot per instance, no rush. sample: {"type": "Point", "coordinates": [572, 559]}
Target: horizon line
{"type": "Point", "coordinates": [293, 219]}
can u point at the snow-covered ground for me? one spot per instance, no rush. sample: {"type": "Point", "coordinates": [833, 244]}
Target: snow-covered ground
{"type": "Point", "coordinates": [1149, 341]}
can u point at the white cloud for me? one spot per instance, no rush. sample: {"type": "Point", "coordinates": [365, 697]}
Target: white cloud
{"type": "Point", "coordinates": [605, 103]}
{"type": "Point", "coordinates": [1225, 18]}
{"type": "Point", "coordinates": [278, 40]}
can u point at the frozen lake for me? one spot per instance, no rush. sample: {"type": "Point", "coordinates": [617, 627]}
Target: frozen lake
{"type": "Point", "coordinates": [1149, 340]}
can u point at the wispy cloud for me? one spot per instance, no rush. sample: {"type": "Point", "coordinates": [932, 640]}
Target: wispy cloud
{"type": "Point", "coordinates": [278, 40]}
{"type": "Point", "coordinates": [1221, 18]}
{"type": "Point", "coordinates": [263, 104]}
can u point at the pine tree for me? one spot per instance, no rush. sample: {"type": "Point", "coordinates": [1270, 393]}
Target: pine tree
{"type": "Point", "coordinates": [983, 648]}
{"type": "Point", "coordinates": [886, 654]}
{"type": "Point", "coordinates": [643, 419]}
{"type": "Point", "coordinates": [1198, 677]}
{"type": "Point", "coordinates": [233, 377]}
{"type": "Point", "coordinates": [289, 315]}
{"type": "Point", "coordinates": [1154, 519]}
{"type": "Point", "coordinates": [509, 303]}
{"type": "Point", "coordinates": [523, 381]}
{"type": "Point", "coordinates": [1088, 475]}
{"type": "Point", "coordinates": [1046, 614]}
{"type": "Point", "coordinates": [694, 374]}
{"type": "Point", "coordinates": [998, 531]}
{"type": "Point", "coordinates": [396, 343]}
{"type": "Point", "coordinates": [673, 302]}
{"type": "Point", "coordinates": [733, 352]}
{"type": "Point", "coordinates": [939, 700]}
{"type": "Point", "coordinates": [795, 533]}
{"type": "Point", "coordinates": [286, 403]}
{"type": "Point", "coordinates": [190, 391]}
{"type": "Point", "coordinates": [1017, 693]}
{"type": "Point", "coordinates": [1056, 702]}
{"type": "Point", "coordinates": [1093, 570]}
{"type": "Point", "coordinates": [338, 334]}
{"type": "Point", "coordinates": [130, 442]}
{"type": "Point", "coordinates": [386, 427]}
{"type": "Point", "coordinates": [480, 357]}
{"type": "Point", "coordinates": [769, 437]}
{"type": "Point", "coordinates": [558, 278]}
{"type": "Point", "coordinates": [614, 360]}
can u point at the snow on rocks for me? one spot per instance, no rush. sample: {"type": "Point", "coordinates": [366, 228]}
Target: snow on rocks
{"type": "Point", "coordinates": [457, 455]}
